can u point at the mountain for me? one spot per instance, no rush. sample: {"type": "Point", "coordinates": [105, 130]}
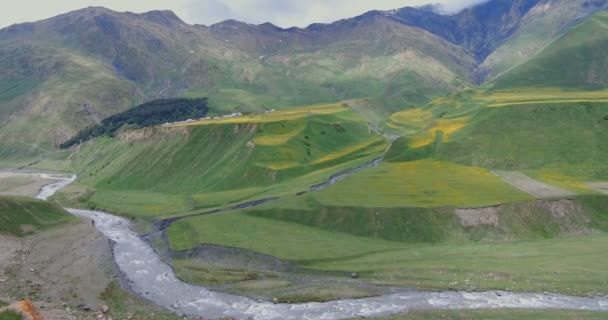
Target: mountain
{"type": "Point", "coordinates": [576, 60]}
{"type": "Point", "coordinates": [69, 72]}
{"type": "Point", "coordinates": [478, 29]}
{"type": "Point", "coordinates": [448, 138]}
{"type": "Point", "coordinates": [62, 74]}
{"type": "Point", "coordinates": [538, 28]}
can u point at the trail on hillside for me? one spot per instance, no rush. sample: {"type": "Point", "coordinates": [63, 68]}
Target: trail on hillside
{"type": "Point", "coordinates": [601, 187]}
{"type": "Point", "coordinates": [532, 187]}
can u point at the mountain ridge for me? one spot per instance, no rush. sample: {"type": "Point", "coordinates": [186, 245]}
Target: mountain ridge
{"type": "Point", "coordinates": [62, 74]}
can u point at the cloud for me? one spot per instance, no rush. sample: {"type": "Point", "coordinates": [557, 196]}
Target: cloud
{"type": "Point", "coordinates": [457, 6]}
{"type": "Point", "coordinates": [285, 13]}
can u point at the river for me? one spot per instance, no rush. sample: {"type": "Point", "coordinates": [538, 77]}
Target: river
{"type": "Point", "coordinates": [154, 280]}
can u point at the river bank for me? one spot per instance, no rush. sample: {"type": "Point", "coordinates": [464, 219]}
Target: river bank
{"type": "Point", "coordinates": [151, 278]}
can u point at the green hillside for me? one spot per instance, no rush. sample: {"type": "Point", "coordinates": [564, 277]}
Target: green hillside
{"type": "Point", "coordinates": [558, 131]}
{"type": "Point", "coordinates": [576, 60]}
{"type": "Point", "coordinates": [538, 29]}
{"type": "Point", "coordinates": [526, 220]}
{"type": "Point", "coordinates": [426, 249]}
{"type": "Point", "coordinates": [167, 170]}
{"type": "Point", "coordinates": [20, 216]}
{"type": "Point", "coordinates": [397, 224]}
{"type": "Point", "coordinates": [439, 212]}
{"type": "Point", "coordinates": [69, 72]}
{"type": "Point", "coordinates": [56, 81]}
{"type": "Point", "coordinates": [569, 137]}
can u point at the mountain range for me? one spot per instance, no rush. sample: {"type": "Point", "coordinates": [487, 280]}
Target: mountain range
{"type": "Point", "coordinates": [408, 148]}
{"type": "Point", "coordinates": [63, 74]}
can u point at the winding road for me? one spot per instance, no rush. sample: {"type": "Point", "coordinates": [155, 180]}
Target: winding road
{"type": "Point", "coordinates": [155, 281]}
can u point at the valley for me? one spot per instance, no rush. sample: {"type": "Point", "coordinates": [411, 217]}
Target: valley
{"type": "Point", "coordinates": [155, 278]}
{"type": "Point", "coordinates": [405, 164]}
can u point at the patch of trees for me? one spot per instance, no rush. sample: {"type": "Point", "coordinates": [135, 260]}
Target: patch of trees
{"type": "Point", "coordinates": [149, 114]}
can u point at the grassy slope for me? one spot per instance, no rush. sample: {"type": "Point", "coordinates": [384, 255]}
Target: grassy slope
{"type": "Point", "coordinates": [384, 246]}
{"type": "Point", "coordinates": [582, 48]}
{"type": "Point", "coordinates": [522, 221]}
{"type": "Point", "coordinates": [364, 224]}
{"type": "Point", "coordinates": [538, 29]}
{"type": "Point", "coordinates": [347, 60]}
{"type": "Point", "coordinates": [24, 216]}
{"type": "Point", "coordinates": [424, 183]}
{"type": "Point", "coordinates": [569, 138]}
{"type": "Point", "coordinates": [166, 170]}
{"type": "Point", "coordinates": [77, 91]}
{"type": "Point", "coordinates": [68, 81]}
{"type": "Point", "coordinates": [554, 134]}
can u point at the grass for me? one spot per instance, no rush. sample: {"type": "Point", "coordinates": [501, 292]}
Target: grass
{"type": "Point", "coordinates": [414, 117]}
{"type": "Point", "coordinates": [276, 116]}
{"type": "Point", "coordinates": [561, 181]}
{"type": "Point", "coordinates": [566, 265]}
{"type": "Point", "coordinates": [24, 216]}
{"type": "Point", "coordinates": [284, 153]}
{"type": "Point", "coordinates": [496, 99]}
{"type": "Point", "coordinates": [266, 285]}
{"type": "Point", "coordinates": [515, 221]}
{"type": "Point", "coordinates": [394, 225]}
{"type": "Point", "coordinates": [323, 293]}
{"type": "Point", "coordinates": [568, 139]}
{"type": "Point", "coordinates": [192, 271]}
{"type": "Point", "coordinates": [445, 127]}
{"type": "Point", "coordinates": [417, 247]}
{"type": "Point", "coordinates": [424, 183]}
{"type": "Point", "coordinates": [21, 185]}
{"type": "Point", "coordinates": [9, 315]}
{"type": "Point", "coordinates": [248, 230]}
{"type": "Point", "coordinates": [556, 135]}
{"type": "Point", "coordinates": [500, 315]}
{"type": "Point", "coordinates": [70, 79]}
{"type": "Point", "coordinates": [581, 47]}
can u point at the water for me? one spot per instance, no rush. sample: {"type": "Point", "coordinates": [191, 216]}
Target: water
{"type": "Point", "coordinates": [154, 280]}
{"type": "Point", "coordinates": [50, 189]}
{"type": "Point", "coordinates": [344, 174]}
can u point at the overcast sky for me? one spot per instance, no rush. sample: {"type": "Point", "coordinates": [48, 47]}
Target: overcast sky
{"type": "Point", "coordinates": [285, 13]}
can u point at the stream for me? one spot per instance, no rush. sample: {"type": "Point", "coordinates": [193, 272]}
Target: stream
{"type": "Point", "coordinates": [154, 280]}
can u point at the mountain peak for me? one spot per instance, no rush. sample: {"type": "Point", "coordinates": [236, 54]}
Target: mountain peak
{"type": "Point", "coordinates": [230, 23]}
{"type": "Point", "coordinates": [164, 17]}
